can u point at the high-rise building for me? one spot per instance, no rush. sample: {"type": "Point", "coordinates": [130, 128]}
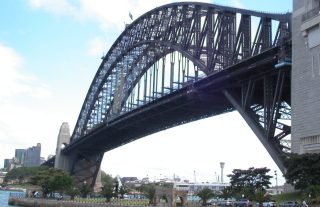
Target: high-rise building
{"type": "Point", "coordinates": [6, 163]}
{"type": "Point", "coordinates": [32, 156]}
{"type": "Point", "coordinates": [13, 164]}
{"type": "Point", "coordinates": [19, 154]}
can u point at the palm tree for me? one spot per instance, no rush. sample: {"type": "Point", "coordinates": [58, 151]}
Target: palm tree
{"type": "Point", "coordinates": [205, 194]}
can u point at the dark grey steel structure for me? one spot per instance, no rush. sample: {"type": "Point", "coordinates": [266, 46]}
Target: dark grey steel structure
{"type": "Point", "coordinates": [182, 62]}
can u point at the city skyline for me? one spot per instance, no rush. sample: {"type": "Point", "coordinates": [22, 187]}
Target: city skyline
{"type": "Point", "coordinates": [49, 53]}
{"type": "Point", "coordinates": [28, 157]}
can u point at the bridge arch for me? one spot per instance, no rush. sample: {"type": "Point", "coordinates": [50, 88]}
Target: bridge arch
{"type": "Point", "coordinates": [217, 40]}
{"type": "Point", "coordinates": [194, 29]}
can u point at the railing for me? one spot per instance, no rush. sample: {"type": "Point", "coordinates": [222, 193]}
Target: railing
{"type": "Point", "coordinates": [17, 195]}
{"type": "Point", "coordinates": [310, 14]}
{"type": "Point", "coordinates": [114, 202]}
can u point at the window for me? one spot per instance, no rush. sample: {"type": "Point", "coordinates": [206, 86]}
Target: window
{"type": "Point", "coordinates": [313, 37]}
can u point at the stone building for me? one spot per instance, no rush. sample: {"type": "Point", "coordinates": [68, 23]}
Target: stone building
{"type": "Point", "coordinates": [305, 92]}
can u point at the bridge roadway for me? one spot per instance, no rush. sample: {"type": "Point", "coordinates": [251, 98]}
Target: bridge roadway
{"type": "Point", "coordinates": [198, 100]}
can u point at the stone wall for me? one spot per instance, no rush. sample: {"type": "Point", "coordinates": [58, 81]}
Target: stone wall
{"type": "Point", "coordinates": [31, 202]}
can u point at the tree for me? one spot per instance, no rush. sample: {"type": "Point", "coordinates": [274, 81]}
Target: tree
{"type": "Point", "coordinates": [84, 190]}
{"type": "Point", "coordinates": [62, 182]}
{"type": "Point", "coordinates": [313, 194]}
{"type": "Point", "coordinates": [226, 193]}
{"type": "Point", "coordinates": [53, 180]}
{"type": "Point", "coordinates": [303, 170]}
{"type": "Point", "coordinates": [107, 192]}
{"type": "Point", "coordinates": [72, 192]}
{"type": "Point", "coordinates": [149, 191]}
{"type": "Point", "coordinates": [205, 194]}
{"type": "Point", "coordinates": [106, 178]}
{"type": "Point", "coordinates": [261, 196]}
{"type": "Point", "coordinates": [44, 180]}
{"type": "Point", "coordinates": [248, 182]}
{"type": "Point", "coordinates": [123, 190]}
{"type": "Point", "coordinates": [116, 187]}
{"type": "Point", "coordinates": [22, 173]}
{"type": "Point", "coordinates": [107, 189]}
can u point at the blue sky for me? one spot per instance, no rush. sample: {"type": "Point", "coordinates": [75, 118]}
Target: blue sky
{"type": "Point", "coordinates": [49, 53]}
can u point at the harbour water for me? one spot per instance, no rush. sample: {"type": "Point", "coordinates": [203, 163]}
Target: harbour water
{"type": "Point", "coordinates": [4, 196]}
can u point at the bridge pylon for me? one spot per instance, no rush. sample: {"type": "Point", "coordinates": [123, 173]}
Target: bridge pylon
{"type": "Point", "coordinates": [61, 161]}
{"type": "Point", "coordinates": [85, 167]}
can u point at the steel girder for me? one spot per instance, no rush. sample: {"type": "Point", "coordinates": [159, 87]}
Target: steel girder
{"type": "Point", "coordinates": [210, 36]}
{"type": "Point", "coordinates": [266, 109]}
{"type": "Point", "coordinates": [85, 166]}
{"type": "Point", "coordinates": [258, 90]}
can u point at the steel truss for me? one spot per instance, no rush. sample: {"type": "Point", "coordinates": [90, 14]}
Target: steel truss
{"type": "Point", "coordinates": [211, 37]}
{"type": "Point", "coordinates": [174, 46]}
{"type": "Point", "coordinates": [85, 167]}
{"type": "Point", "coordinates": [265, 117]}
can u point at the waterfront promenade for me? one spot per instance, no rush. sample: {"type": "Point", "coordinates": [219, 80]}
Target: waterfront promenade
{"type": "Point", "coordinates": [31, 202]}
{"type": "Point", "coordinates": [37, 202]}
{"type": "Point", "coordinates": [99, 202]}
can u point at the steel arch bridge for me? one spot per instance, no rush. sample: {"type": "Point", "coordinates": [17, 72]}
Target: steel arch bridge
{"type": "Point", "coordinates": [183, 62]}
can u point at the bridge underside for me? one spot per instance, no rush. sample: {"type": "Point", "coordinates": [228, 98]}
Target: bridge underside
{"type": "Point", "coordinates": [254, 87]}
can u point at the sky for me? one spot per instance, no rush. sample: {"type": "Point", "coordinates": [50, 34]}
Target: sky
{"type": "Point", "coordinates": [50, 51]}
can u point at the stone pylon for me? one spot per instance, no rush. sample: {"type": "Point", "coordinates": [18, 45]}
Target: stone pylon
{"type": "Point", "coordinates": [61, 162]}
{"type": "Point", "coordinates": [98, 184]}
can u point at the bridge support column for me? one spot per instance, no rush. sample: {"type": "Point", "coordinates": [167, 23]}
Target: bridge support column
{"type": "Point", "coordinates": [262, 105]}
{"type": "Point", "coordinates": [85, 168]}
{"type": "Point", "coordinates": [257, 129]}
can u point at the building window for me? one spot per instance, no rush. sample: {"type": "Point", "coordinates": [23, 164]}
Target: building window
{"type": "Point", "coordinates": [312, 8]}
{"type": "Point", "coordinates": [313, 37]}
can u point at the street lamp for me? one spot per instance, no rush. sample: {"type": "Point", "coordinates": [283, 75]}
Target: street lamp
{"type": "Point", "coordinates": [84, 189]}
{"type": "Point", "coordinates": [276, 177]}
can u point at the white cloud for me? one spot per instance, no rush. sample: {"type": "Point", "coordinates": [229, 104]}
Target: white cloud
{"type": "Point", "coordinates": [96, 46]}
{"type": "Point", "coordinates": [10, 63]}
{"type": "Point", "coordinates": [237, 3]}
{"type": "Point", "coordinates": [56, 6]}
{"type": "Point", "coordinates": [21, 96]}
{"type": "Point", "coordinates": [107, 14]}
{"type": "Point", "coordinates": [231, 3]}
{"type": "Point", "coordinates": [13, 82]}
